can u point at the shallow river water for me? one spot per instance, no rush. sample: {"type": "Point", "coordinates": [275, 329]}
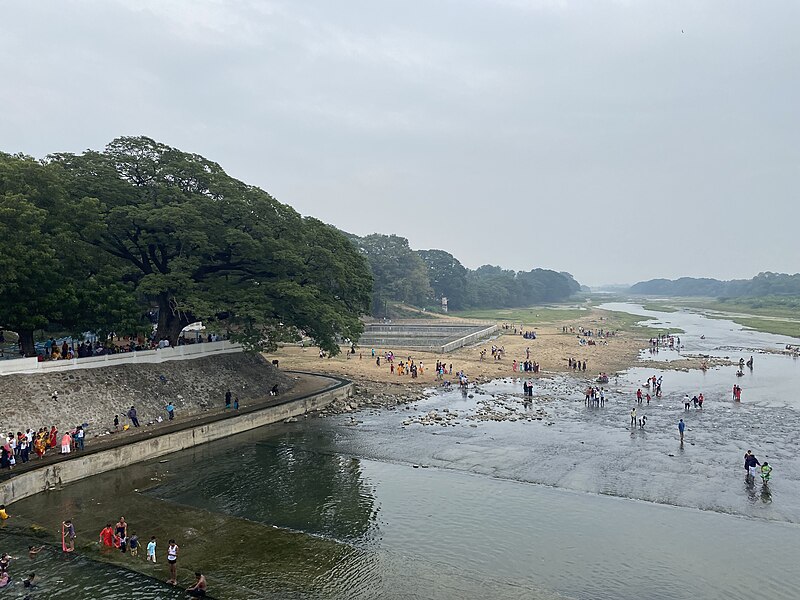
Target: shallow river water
{"type": "Point", "coordinates": [575, 505]}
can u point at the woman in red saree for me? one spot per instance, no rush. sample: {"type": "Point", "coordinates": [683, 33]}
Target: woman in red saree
{"type": "Point", "coordinates": [107, 535]}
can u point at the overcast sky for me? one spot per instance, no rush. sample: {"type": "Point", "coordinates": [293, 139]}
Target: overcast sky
{"type": "Point", "coordinates": [617, 140]}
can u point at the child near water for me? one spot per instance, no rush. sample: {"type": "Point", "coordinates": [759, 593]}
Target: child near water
{"type": "Point", "coordinates": [766, 471]}
{"type": "Point", "coordinates": [151, 549]}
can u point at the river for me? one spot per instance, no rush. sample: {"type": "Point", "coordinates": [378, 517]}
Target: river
{"type": "Point", "coordinates": [572, 505]}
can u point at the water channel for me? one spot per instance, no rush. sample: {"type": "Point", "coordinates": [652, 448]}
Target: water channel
{"type": "Point", "coordinates": [575, 505]}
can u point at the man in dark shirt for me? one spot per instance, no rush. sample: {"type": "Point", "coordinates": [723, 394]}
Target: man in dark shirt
{"type": "Point", "coordinates": [750, 463]}
{"type": "Point", "coordinates": [133, 416]}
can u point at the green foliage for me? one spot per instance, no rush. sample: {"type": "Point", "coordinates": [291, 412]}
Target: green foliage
{"type": "Point", "coordinates": [422, 277]}
{"type": "Point", "coordinates": [46, 276]}
{"type": "Point", "coordinates": [491, 286]}
{"type": "Point", "coordinates": [398, 273]}
{"type": "Point", "coordinates": [97, 239]}
{"type": "Point", "coordinates": [763, 284]}
{"type": "Point", "coordinates": [525, 316]}
{"type": "Point", "coordinates": [447, 277]}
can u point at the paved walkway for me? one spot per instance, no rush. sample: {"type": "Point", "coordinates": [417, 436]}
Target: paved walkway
{"type": "Point", "coordinates": [305, 386]}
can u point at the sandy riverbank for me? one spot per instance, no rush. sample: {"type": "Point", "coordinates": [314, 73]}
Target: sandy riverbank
{"type": "Point", "coordinates": [551, 349]}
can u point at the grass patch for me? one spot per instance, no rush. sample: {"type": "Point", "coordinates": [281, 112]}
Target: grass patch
{"type": "Point", "coordinates": [527, 316]}
{"type": "Point", "coordinates": [622, 321]}
{"type": "Point", "coordinates": [781, 327]}
{"type": "Point", "coordinates": [770, 315]}
{"type": "Point", "coordinates": [659, 307]}
{"type": "Point", "coordinates": [760, 307]}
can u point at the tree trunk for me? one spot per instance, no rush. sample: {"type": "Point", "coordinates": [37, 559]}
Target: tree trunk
{"type": "Point", "coordinates": [26, 342]}
{"type": "Point", "coordinates": [170, 321]}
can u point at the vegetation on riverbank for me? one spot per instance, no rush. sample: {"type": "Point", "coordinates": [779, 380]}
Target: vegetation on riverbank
{"type": "Point", "coordinates": [142, 234]}
{"type": "Point", "coordinates": [526, 316]}
{"type": "Point", "coordinates": [655, 306]}
{"type": "Point", "coordinates": [770, 314]}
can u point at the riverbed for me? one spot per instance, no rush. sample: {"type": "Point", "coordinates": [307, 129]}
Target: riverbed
{"type": "Point", "coordinates": [558, 500]}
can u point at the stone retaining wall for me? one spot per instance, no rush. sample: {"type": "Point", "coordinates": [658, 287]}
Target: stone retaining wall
{"type": "Point", "coordinates": [80, 466]}
{"type": "Point", "coordinates": [94, 396]}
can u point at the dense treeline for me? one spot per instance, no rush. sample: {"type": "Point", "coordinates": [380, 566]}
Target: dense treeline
{"type": "Point", "coordinates": [423, 277]}
{"type": "Point", "coordinates": [763, 284]}
{"type": "Point", "coordinates": [100, 240]}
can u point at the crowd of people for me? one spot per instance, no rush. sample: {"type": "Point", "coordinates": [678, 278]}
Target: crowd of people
{"type": "Point", "coordinates": [576, 365]}
{"type": "Point", "coordinates": [30, 582]}
{"type": "Point", "coordinates": [526, 366]}
{"type": "Point", "coordinates": [67, 349]}
{"type": "Point", "coordinates": [116, 537]}
{"type": "Point", "coordinates": [595, 396]}
{"type": "Point", "coordinates": [665, 340]}
{"type": "Point", "coordinates": [16, 448]}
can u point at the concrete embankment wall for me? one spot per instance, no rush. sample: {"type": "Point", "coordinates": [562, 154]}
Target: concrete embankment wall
{"type": "Point", "coordinates": [95, 395]}
{"type": "Point", "coordinates": [80, 466]}
{"type": "Point", "coordinates": [187, 352]}
{"type": "Point", "coordinates": [439, 338]}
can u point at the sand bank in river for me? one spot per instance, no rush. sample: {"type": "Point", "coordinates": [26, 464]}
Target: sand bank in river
{"type": "Point", "coordinates": [551, 349]}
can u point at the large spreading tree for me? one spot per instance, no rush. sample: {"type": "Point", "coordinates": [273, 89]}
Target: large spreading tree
{"type": "Point", "coordinates": [47, 277]}
{"type": "Point", "coordinates": [198, 244]}
{"type": "Point", "coordinates": [95, 241]}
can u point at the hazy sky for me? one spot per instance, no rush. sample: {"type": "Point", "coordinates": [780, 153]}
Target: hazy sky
{"type": "Point", "coordinates": [617, 140]}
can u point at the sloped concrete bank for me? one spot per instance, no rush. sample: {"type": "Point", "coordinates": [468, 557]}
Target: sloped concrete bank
{"type": "Point", "coordinates": [95, 395]}
{"type": "Point", "coordinates": [130, 450]}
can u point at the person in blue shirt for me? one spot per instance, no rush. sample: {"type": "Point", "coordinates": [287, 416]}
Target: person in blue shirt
{"type": "Point", "coordinates": [681, 428]}
{"type": "Point", "coordinates": [171, 411]}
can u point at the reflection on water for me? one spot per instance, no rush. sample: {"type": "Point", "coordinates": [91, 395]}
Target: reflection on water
{"type": "Point", "coordinates": [322, 510]}
{"type": "Point", "coordinates": [319, 493]}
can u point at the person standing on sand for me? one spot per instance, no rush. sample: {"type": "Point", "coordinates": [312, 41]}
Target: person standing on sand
{"type": "Point", "coordinates": [681, 428]}
{"type": "Point", "coordinates": [170, 410]}
{"type": "Point", "coordinates": [133, 416]}
{"type": "Point", "coordinates": [172, 559]}
{"type": "Point", "coordinates": [228, 397]}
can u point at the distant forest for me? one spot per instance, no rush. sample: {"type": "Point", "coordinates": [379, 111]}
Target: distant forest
{"type": "Point", "coordinates": [422, 277]}
{"type": "Point", "coordinates": [763, 284]}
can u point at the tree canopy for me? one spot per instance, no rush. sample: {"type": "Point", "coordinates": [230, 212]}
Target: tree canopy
{"type": "Point", "coordinates": [763, 284]}
{"type": "Point", "coordinates": [174, 232]}
{"type": "Point", "coordinates": [398, 273]}
{"type": "Point", "coordinates": [422, 277]}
